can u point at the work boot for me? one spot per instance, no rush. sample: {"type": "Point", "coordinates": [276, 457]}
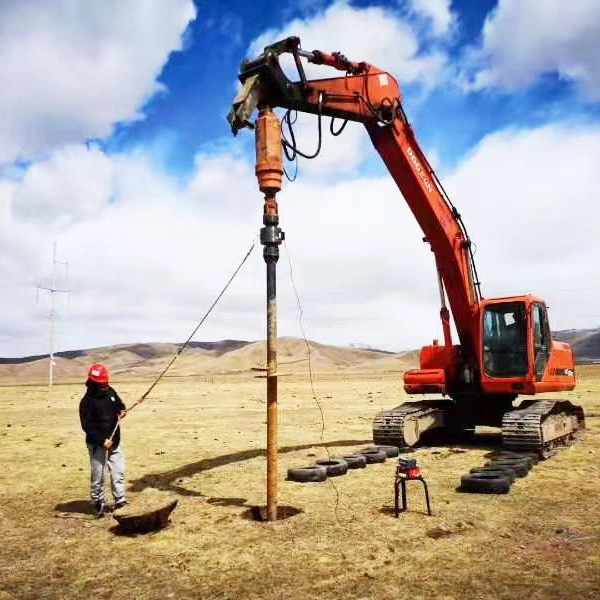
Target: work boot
{"type": "Point", "coordinates": [99, 509]}
{"type": "Point", "coordinates": [120, 504]}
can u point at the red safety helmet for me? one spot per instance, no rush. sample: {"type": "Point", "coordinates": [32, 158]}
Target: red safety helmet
{"type": "Point", "coordinates": [98, 373]}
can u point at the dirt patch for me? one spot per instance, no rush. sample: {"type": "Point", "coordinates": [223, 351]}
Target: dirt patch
{"type": "Point", "coordinates": [259, 513]}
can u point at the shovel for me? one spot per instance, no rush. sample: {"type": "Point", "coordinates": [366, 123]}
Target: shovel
{"type": "Point", "coordinates": [152, 516]}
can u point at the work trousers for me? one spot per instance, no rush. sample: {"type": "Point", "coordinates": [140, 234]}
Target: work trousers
{"type": "Point", "coordinates": [116, 466]}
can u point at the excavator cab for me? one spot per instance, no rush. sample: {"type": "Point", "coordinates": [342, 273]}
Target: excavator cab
{"type": "Point", "coordinates": [504, 341]}
{"type": "Point", "coordinates": [518, 355]}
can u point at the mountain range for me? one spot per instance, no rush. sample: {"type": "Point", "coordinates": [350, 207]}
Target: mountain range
{"type": "Point", "coordinates": [236, 356]}
{"type": "Point", "coordinates": [203, 359]}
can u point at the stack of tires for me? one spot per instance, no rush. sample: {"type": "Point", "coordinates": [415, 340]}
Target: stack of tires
{"type": "Point", "coordinates": [499, 473]}
{"type": "Point", "coordinates": [334, 467]}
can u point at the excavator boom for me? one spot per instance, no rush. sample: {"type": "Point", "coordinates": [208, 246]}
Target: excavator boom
{"type": "Point", "coordinates": [505, 343]}
{"type": "Point", "coordinates": [372, 97]}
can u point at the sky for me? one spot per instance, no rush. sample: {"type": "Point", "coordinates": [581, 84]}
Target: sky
{"type": "Point", "coordinates": [114, 146]}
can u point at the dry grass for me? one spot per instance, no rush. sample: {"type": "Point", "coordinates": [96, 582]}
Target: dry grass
{"type": "Point", "coordinates": [201, 442]}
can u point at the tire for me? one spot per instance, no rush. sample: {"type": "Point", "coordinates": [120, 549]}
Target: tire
{"type": "Point", "coordinates": [390, 451]}
{"type": "Point", "coordinates": [334, 467]}
{"type": "Point", "coordinates": [484, 483]}
{"type": "Point", "coordinates": [513, 460]}
{"type": "Point", "coordinates": [534, 457]}
{"type": "Point", "coordinates": [355, 461]}
{"type": "Point", "coordinates": [373, 456]}
{"type": "Point", "coordinates": [504, 471]}
{"type": "Point", "coordinates": [311, 473]}
{"type": "Point", "coordinates": [519, 457]}
{"type": "Point", "coordinates": [370, 449]}
{"type": "Point", "coordinates": [520, 468]}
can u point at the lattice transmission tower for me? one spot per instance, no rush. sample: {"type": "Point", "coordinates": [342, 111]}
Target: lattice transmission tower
{"type": "Point", "coordinates": [53, 290]}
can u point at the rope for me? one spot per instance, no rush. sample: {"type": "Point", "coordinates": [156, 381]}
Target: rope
{"type": "Point", "coordinates": [186, 343]}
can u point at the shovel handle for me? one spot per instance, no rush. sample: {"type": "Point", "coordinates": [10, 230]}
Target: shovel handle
{"type": "Point", "coordinates": [112, 435]}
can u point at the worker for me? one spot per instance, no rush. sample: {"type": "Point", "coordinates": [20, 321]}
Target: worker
{"type": "Point", "coordinates": [516, 343]}
{"type": "Point", "coordinates": [100, 411]}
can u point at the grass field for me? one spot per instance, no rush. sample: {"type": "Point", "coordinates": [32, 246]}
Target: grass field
{"type": "Point", "coordinates": [201, 441]}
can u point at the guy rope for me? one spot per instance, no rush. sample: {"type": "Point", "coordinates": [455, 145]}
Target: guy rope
{"type": "Point", "coordinates": [187, 342]}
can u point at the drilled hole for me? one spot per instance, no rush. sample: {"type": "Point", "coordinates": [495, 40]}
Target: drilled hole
{"type": "Point", "coordinates": [259, 513]}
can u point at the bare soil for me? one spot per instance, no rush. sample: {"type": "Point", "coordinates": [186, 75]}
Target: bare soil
{"type": "Point", "coordinates": [201, 440]}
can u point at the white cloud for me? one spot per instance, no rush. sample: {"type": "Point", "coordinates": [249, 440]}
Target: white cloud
{"type": "Point", "coordinates": [70, 71]}
{"type": "Point", "coordinates": [525, 196]}
{"type": "Point", "coordinates": [343, 154]}
{"type": "Point", "coordinates": [376, 35]}
{"type": "Point", "coordinates": [145, 266]}
{"type": "Point", "coordinates": [525, 39]}
{"type": "Point", "coordinates": [437, 12]}
{"type": "Point", "coordinates": [75, 184]}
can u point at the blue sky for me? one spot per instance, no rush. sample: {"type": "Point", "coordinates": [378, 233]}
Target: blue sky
{"type": "Point", "coordinates": [115, 145]}
{"type": "Point", "coordinates": [190, 115]}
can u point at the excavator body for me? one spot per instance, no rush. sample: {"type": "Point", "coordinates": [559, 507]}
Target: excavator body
{"type": "Point", "coordinates": [515, 354]}
{"type": "Point", "coordinates": [505, 347]}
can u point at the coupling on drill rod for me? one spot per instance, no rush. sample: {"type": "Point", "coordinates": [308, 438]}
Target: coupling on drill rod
{"type": "Point", "coordinates": [270, 237]}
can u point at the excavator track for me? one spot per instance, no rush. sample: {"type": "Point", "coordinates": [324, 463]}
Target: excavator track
{"type": "Point", "coordinates": [403, 425]}
{"type": "Point", "coordinates": [542, 426]}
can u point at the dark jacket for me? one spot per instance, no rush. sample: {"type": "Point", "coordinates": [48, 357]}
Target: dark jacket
{"type": "Point", "coordinates": [98, 411]}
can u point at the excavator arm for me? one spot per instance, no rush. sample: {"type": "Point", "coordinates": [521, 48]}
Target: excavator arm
{"type": "Point", "coordinates": [505, 343]}
{"type": "Point", "coordinates": [370, 96]}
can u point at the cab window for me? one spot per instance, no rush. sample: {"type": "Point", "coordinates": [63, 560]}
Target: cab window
{"type": "Point", "coordinates": [505, 339]}
{"type": "Point", "coordinates": [541, 339]}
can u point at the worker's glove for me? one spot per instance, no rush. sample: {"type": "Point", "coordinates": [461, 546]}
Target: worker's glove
{"type": "Point", "coordinates": [108, 444]}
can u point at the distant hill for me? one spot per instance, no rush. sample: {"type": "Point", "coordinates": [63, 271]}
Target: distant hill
{"type": "Point", "coordinates": [585, 342]}
{"type": "Point", "coordinates": [130, 361]}
{"type": "Point", "coordinates": [142, 350]}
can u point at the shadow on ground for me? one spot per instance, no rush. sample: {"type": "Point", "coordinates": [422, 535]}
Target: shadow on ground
{"type": "Point", "coordinates": [459, 441]}
{"type": "Point", "coordinates": [83, 507]}
{"type": "Point", "coordinates": [120, 532]}
{"type": "Point", "coordinates": [227, 501]}
{"type": "Point", "coordinates": [390, 511]}
{"type": "Point", "coordinates": [167, 480]}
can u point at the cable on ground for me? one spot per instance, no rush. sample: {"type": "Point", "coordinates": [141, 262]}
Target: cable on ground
{"type": "Point", "coordinates": [315, 397]}
{"type": "Point", "coordinates": [311, 378]}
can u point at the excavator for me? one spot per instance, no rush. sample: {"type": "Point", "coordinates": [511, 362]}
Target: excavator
{"type": "Point", "coordinates": [505, 347]}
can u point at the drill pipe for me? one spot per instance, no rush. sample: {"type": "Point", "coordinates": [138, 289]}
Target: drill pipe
{"type": "Point", "coordinates": [269, 170]}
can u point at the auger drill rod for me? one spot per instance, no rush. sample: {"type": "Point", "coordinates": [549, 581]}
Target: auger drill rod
{"type": "Point", "coordinates": [269, 170]}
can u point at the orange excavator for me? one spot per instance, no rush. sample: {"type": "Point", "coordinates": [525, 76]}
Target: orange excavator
{"type": "Point", "coordinates": [505, 347]}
